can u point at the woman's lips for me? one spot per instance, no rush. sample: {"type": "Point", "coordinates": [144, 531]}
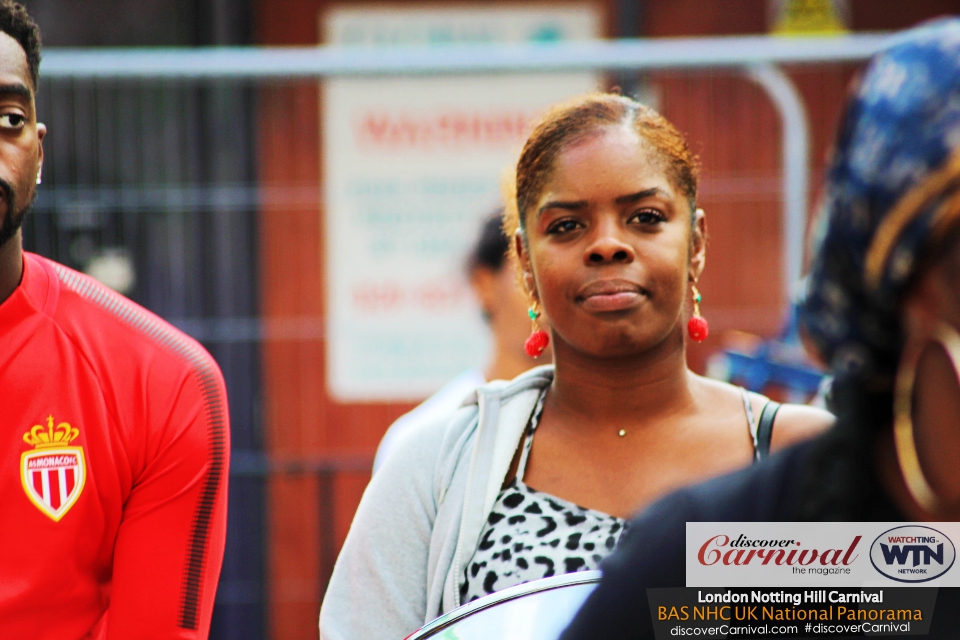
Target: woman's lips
{"type": "Point", "coordinates": [611, 302]}
{"type": "Point", "coordinates": [611, 295]}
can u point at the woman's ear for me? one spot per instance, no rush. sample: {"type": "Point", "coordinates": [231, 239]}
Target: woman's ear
{"type": "Point", "coordinates": [526, 268]}
{"type": "Point", "coordinates": [698, 244]}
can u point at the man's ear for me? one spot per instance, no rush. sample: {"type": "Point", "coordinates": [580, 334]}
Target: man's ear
{"type": "Point", "coordinates": [698, 244]}
{"type": "Point", "coordinates": [41, 132]}
{"type": "Point", "coordinates": [526, 268]}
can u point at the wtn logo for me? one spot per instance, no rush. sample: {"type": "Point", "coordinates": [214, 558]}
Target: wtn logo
{"type": "Point", "coordinates": [900, 554]}
{"type": "Point", "coordinates": [912, 554]}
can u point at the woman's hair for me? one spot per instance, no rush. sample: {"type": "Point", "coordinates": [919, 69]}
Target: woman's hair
{"type": "Point", "coordinates": [571, 122]}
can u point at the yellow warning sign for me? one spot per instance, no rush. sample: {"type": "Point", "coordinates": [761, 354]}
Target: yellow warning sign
{"type": "Point", "coordinates": [809, 17]}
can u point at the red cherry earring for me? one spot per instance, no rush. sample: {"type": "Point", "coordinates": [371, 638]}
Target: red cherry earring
{"type": "Point", "coordinates": [538, 339]}
{"type": "Point", "coordinates": [697, 327]}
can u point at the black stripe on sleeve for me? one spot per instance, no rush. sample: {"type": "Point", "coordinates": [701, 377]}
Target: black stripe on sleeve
{"type": "Point", "coordinates": [204, 368]}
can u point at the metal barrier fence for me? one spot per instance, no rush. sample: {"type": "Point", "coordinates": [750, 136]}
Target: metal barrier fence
{"type": "Point", "coordinates": [757, 56]}
{"type": "Point", "coordinates": [151, 167]}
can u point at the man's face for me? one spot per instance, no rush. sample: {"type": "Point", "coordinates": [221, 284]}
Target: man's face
{"type": "Point", "coordinates": [21, 151]}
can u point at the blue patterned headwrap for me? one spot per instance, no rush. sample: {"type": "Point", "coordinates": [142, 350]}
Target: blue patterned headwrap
{"type": "Point", "coordinates": [893, 189]}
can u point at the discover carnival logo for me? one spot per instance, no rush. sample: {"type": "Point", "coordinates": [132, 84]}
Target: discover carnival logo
{"type": "Point", "coordinates": [742, 551]}
{"type": "Point", "coordinates": [912, 553]}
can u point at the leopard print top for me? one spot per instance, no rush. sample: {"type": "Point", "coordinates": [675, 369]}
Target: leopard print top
{"type": "Point", "coordinates": [531, 535]}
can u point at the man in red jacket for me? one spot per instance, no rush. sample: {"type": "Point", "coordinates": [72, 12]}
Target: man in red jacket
{"type": "Point", "coordinates": [114, 434]}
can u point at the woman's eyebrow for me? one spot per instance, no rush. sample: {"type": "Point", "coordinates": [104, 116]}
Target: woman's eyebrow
{"type": "Point", "coordinates": [574, 205]}
{"type": "Point", "coordinates": [577, 205]}
{"type": "Point", "coordinates": [640, 195]}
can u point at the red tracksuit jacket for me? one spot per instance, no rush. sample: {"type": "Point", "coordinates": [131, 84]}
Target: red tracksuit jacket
{"type": "Point", "coordinates": [114, 453]}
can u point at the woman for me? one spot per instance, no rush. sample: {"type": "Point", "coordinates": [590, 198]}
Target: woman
{"type": "Point", "coordinates": [611, 245]}
{"type": "Point", "coordinates": [883, 308]}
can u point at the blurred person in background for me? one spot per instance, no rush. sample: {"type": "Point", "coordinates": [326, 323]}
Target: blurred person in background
{"type": "Point", "coordinates": [535, 477]}
{"type": "Point", "coordinates": [115, 454]}
{"type": "Point", "coordinates": [493, 278]}
{"type": "Point", "coordinates": [883, 309]}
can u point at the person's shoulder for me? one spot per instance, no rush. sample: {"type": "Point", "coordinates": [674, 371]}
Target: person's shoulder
{"type": "Point", "coordinates": [439, 441]}
{"type": "Point", "coordinates": [116, 334]}
{"type": "Point", "coordinates": [507, 404]}
{"type": "Point", "coordinates": [793, 423]}
{"type": "Point", "coordinates": [502, 394]}
{"type": "Point", "coordinates": [468, 390]}
{"type": "Point", "coordinates": [797, 423]}
{"type": "Point", "coordinates": [503, 391]}
{"type": "Point", "coordinates": [445, 401]}
{"type": "Point", "coordinates": [763, 492]}
{"type": "Point", "coordinates": [427, 438]}
{"type": "Point", "coordinates": [435, 409]}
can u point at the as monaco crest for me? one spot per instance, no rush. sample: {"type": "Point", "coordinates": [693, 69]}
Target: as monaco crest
{"type": "Point", "coordinates": [53, 473]}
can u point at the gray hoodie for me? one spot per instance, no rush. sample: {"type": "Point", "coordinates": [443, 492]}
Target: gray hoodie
{"type": "Point", "coordinates": [420, 518]}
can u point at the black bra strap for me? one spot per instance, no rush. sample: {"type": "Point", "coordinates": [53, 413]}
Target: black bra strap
{"type": "Point", "coordinates": [765, 428]}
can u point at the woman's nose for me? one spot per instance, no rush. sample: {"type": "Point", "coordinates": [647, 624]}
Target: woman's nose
{"type": "Point", "coordinates": [608, 246]}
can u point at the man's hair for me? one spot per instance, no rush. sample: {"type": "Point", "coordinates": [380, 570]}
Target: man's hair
{"type": "Point", "coordinates": [17, 23]}
{"type": "Point", "coordinates": [490, 250]}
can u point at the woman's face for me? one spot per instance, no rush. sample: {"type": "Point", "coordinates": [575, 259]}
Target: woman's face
{"type": "Point", "coordinates": [609, 252]}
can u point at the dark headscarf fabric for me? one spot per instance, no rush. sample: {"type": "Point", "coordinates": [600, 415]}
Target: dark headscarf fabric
{"type": "Point", "coordinates": [900, 133]}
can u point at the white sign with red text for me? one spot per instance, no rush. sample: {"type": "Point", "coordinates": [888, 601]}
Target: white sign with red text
{"type": "Point", "coordinates": [411, 167]}
{"type": "Point", "coordinates": [822, 554]}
